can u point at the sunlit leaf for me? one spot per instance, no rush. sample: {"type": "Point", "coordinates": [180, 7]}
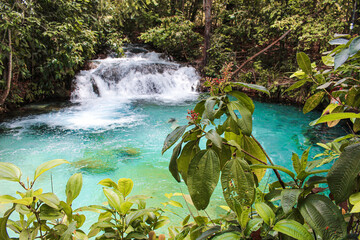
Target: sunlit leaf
{"type": "Point", "coordinates": [47, 166]}
{"type": "Point", "coordinates": [10, 172]}
{"type": "Point", "coordinates": [173, 137]}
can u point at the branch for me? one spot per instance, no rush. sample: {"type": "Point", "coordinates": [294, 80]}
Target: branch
{"type": "Point", "coordinates": [257, 54]}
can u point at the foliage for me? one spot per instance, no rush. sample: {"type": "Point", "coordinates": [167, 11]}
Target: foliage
{"type": "Point", "coordinates": [294, 208]}
{"type": "Point", "coordinates": [44, 216]}
{"type": "Point", "coordinates": [41, 215]}
{"type": "Point", "coordinates": [121, 220]}
{"type": "Point", "coordinates": [176, 37]}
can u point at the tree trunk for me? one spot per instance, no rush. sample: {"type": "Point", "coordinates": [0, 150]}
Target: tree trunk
{"type": "Point", "coordinates": [9, 76]}
{"type": "Point", "coordinates": [207, 10]}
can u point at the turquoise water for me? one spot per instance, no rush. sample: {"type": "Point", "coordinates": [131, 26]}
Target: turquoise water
{"type": "Point", "coordinates": [30, 141]}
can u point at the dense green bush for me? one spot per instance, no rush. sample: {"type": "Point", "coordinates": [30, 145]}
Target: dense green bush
{"type": "Point", "coordinates": [175, 36]}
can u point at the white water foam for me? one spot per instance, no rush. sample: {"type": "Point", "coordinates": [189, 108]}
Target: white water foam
{"type": "Point", "coordinates": [104, 95]}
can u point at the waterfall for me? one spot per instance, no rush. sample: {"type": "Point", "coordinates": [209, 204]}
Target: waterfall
{"type": "Point", "coordinates": [140, 75]}
{"type": "Point", "coordinates": [108, 96]}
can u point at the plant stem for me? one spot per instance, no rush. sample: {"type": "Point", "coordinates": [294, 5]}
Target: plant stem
{"type": "Point", "coordinates": [271, 162]}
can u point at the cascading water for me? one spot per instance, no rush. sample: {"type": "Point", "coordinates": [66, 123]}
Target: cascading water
{"type": "Point", "coordinates": [142, 75]}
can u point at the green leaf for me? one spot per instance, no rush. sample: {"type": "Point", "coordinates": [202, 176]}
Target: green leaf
{"type": "Point", "coordinates": [108, 183]}
{"type": "Point", "coordinates": [265, 212]}
{"type": "Point", "coordinates": [323, 216]}
{"type": "Point", "coordinates": [238, 183]}
{"type": "Point", "coordinates": [50, 199]}
{"type": "Point", "coordinates": [245, 99]}
{"type": "Point", "coordinates": [313, 101]}
{"type": "Point", "coordinates": [252, 86]}
{"type": "Point", "coordinates": [227, 236]}
{"type": "Point", "coordinates": [173, 166]}
{"type": "Point", "coordinates": [354, 46]}
{"type": "Point", "coordinates": [296, 163]}
{"type": "Point", "coordinates": [125, 207]}
{"type": "Point", "coordinates": [188, 153]}
{"type": "Point", "coordinates": [3, 223]}
{"type": "Point", "coordinates": [160, 224]}
{"type": "Point", "coordinates": [289, 197]}
{"type": "Point", "coordinates": [6, 199]}
{"type": "Point", "coordinates": [293, 229]}
{"type": "Point", "coordinates": [69, 231]}
{"type": "Point", "coordinates": [277, 167]}
{"type": "Point", "coordinates": [67, 209]}
{"type": "Point", "coordinates": [209, 112]}
{"type": "Point", "coordinates": [338, 41]}
{"type": "Point", "coordinates": [342, 175]}
{"type": "Point", "coordinates": [245, 123]}
{"type": "Point", "coordinates": [173, 137]}
{"type": "Point", "coordinates": [304, 63]}
{"type": "Point", "coordinates": [115, 198]}
{"type": "Point", "coordinates": [214, 137]}
{"type": "Point", "coordinates": [135, 215]}
{"type": "Point", "coordinates": [210, 232]}
{"type": "Point", "coordinates": [175, 203]}
{"type": "Point", "coordinates": [341, 58]}
{"type": "Point", "coordinates": [73, 187]}
{"type": "Point", "coordinates": [125, 185]}
{"type": "Point", "coordinates": [10, 172]}
{"type": "Point", "coordinates": [252, 147]}
{"type": "Point", "coordinates": [47, 166]}
{"type": "Point", "coordinates": [203, 176]}
{"type": "Point", "coordinates": [296, 85]}
{"type": "Point", "coordinates": [253, 225]}
{"type": "Point", "coordinates": [334, 116]}
{"type": "Point", "coordinates": [49, 213]}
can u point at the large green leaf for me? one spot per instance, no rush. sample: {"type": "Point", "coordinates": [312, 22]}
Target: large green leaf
{"type": "Point", "coordinates": [214, 137]}
{"type": "Point", "coordinates": [50, 199]}
{"type": "Point", "coordinates": [203, 176]}
{"type": "Point", "coordinates": [342, 175]}
{"type": "Point", "coordinates": [289, 197]}
{"type": "Point", "coordinates": [173, 166]}
{"type": "Point", "coordinates": [313, 101]}
{"type": "Point", "coordinates": [125, 186]}
{"type": "Point", "coordinates": [293, 229]}
{"type": "Point", "coordinates": [334, 116]}
{"type": "Point", "coordinates": [227, 236]}
{"type": "Point", "coordinates": [253, 225]}
{"type": "Point", "coordinates": [73, 187]}
{"type": "Point", "coordinates": [245, 99]}
{"type": "Point", "coordinates": [265, 212]}
{"type": "Point", "coordinates": [3, 223]}
{"type": "Point", "coordinates": [323, 216]}
{"type": "Point", "coordinates": [173, 137]}
{"type": "Point", "coordinates": [47, 166]}
{"type": "Point", "coordinates": [188, 153]}
{"type": "Point", "coordinates": [209, 112]}
{"type": "Point", "coordinates": [245, 122]}
{"type": "Point", "coordinates": [10, 172]}
{"type": "Point", "coordinates": [341, 57]}
{"type": "Point", "coordinates": [354, 46]}
{"type": "Point", "coordinates": [252, 86]}
{"type": "Point", "coordinates": [304, 62]}
{"type": "Point", "coordinates": [252, 147]}
{"type": "Point", "coordinates": [238, 183]}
